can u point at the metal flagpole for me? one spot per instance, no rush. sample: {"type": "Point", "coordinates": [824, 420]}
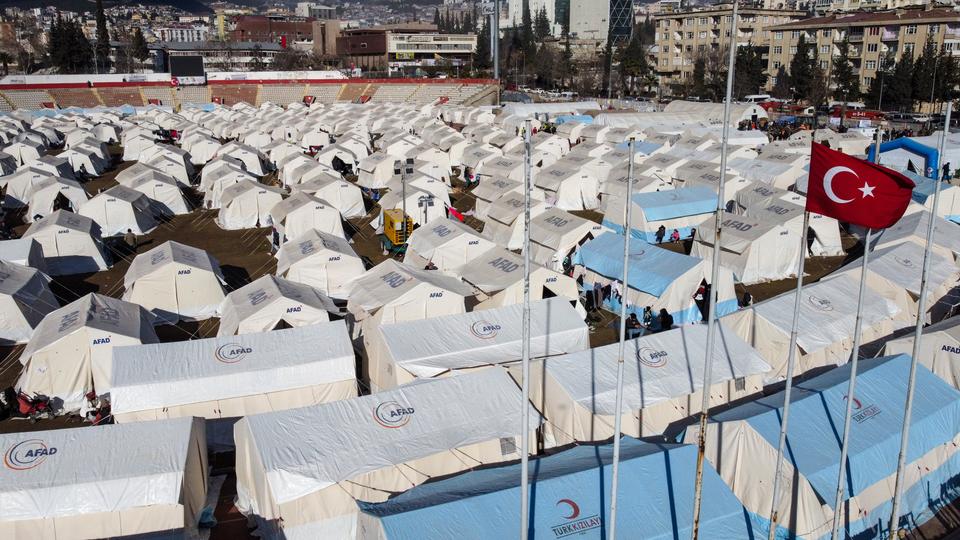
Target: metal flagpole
{"type": "Point", "coordinates": [918, 332]}
{"type": "Point", "coordinates": [791, 365]}
{"type": "Point", "coordinates": [714, 276]}
{"type": "Point", "coordinates": [618, 421]}
{"type": "Point", "coordinates": [496, 40]}
{"type": "Point", "coordinates": [854, 364]}
{"type": "Point", "coordinates": [525, 385]}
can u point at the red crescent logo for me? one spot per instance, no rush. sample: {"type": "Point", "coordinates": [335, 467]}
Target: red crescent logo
{"type": "Point", "coordinates": [574, 509]}
{"type": "Point", "coordinates": [856, 403]}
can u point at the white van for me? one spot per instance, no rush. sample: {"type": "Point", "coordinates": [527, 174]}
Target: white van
{"type": "Point", "coordinates": [756, 98]}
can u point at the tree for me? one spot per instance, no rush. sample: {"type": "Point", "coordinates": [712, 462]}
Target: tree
{"type": "Point", "coordinates": [256, 58]}
{"type": "Point", "coordinates": [566, 68]}
{"type": "Point", "coordinates": [138, 46]}
{"type": "Point", "coordinates": [481, 56]}
{"type": "Point", "coordinates": [802, 69]}
{"type": "Point", "coordinates": [527, 38]}
{"type": "Point", "coordinates": [69, 48]}
{"type": "Point", "coordinates": [541, 26]}
{"type": "Point", "coordinates": [750, 71]}
{"type": "Point", "coordinates": [948, 76]}
{"type": "Point", "coordinates": [633, 62]}
{"type": "Point", "coordinates": [699, 76]}
{"type": "Point", "coordinates": [103, 40]}
{"type": "Point", "coordinates": [546, 67]}
{"type": "Point", "coordinates": [924, 72]}
{"type": "Point", "coordinates": [900, 88]}
{"type": "Point", "coordinates": [781, 88]}
{"type": "Point", "coordinates": [845, 79]}
{"type": "Point", "coordinates": [436, 17]}
{"type": "Point", "coordinates": [289, 59]}
{"type": "Point", "coordinates": [878, 91]}
{"type": "Point", "coordinates": [819, 87]}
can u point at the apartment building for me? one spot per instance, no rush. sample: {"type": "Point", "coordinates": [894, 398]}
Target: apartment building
{"type": "Point", "coordinates": [682, 36]}
{"type": "Point", "coordinates": [871, 35]}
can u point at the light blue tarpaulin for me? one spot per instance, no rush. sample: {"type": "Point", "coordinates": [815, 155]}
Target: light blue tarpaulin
{"type": "Point", "coordinates": [582, 118]}
{"type": "Point", "coordinates": [924, 188]}
{"type": "Point", "coordinates": [676, 203]}
{"type": "Point", "coordinates": [652, 269]}
{"type": "Point", "coordinates": [569, 498]}
{"type": "Point", "coordinates": [816, 424]}
{"type": "Point", "coordinates": [641, 147]}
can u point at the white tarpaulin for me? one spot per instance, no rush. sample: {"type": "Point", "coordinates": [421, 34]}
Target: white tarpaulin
{"type": "Point", "coordinates": [663, 376]}
{"type": "Point", "coordinates": [320, 260]}
{"type": "Point", "coordinates": [400, 352]}
{"type": "Point", "coordinates": [70, 242]}
{"type": "Point", "coordinates": [232, 376]}
{"type": "Point", "coordinates": [25, 298]}
{"type": "Point", "coordinates": [304, 469]}
{"type": "Point", "coordinates": [111, 481]}
{"type": "Point", "coordinates": [270, 303]}
{"type": "Point", "coordinates": [446, 244]}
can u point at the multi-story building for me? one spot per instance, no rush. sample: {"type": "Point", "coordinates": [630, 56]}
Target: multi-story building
{"type": "Point", "coordinates": [404, 46]}
{"type": "Point", "coordinates": [600, 19]}
{"type": "Point", "coordinates": [827, 6]}
{"type": "Point", "coordinates": [181, 33]}
{"type": "Point", "coordinates": [872, 36]}
{"type": "Point", "coordinates": [683, 36]}
{"type": "Point", "coordinates": [272, 29]}
{"type": "Point", "coordinates": [315, 11]}
{"type": "Point", "coordinates": [514, 12]}
{"type": "Point", "coordinates": [325, 34]}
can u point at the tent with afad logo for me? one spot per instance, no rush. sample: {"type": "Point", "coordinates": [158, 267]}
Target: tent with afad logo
{"type": "Point", "coordinates": [60, 483]}
{"type": "Point", "coordinates": [297, 478]}
{"type": "Point", "coordinates": [25, 298]}
{"type": "Point", "coordinates": [321, 260]}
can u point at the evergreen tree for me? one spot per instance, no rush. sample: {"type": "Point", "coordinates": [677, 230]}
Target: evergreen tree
{"type": "Point", "coordinates": [845, 79]}
{"type": "Point", "coordinates": [442, 24]}
{"type": "Point", "coordinates": [541, 26]}
{"type": "Point", "coordinates": [878, 92]}
{"type": "Point", "coordinates": [566, 67]}
{"type": "Point", "coordinates": [781, 88]}
{"type": "Point", "coordinates": [481, 56]}
{"type": "Point", "coordinates": [750, 71]}
{"type": "Point", "coordinates": [699, 76]}
{"type": "Point", "coordinates": [802, 68]}
{"type": "Point", "coordinates": [948, 76]}
{"type": "Point", "coordinates": [900, 88]}
{"type": "Point", "coordinates": [924, 72]}
{"type": "Point", "coordinates": [436, 17]}
{"type": "Point", "coordinates": [633, 62]}
{"type": "Point", "coordinates": [138, 46]}
{"type": "Point", "coordinates": [103, 40]}
{"type": "Point", "coordinates": [526, 37]}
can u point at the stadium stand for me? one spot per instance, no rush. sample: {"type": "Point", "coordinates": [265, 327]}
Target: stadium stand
{"type": "Point", "coordinates": [117, 96]}
{"type": "Point", "coordinates": [280, 94]}
{"type": "Point", "coordinates": [193, 94]}
{"type": "Point", "coordinates": [324, 93]}
{"type": "Point", "coordinates": [236, 93]}
{"type": "Point", "coordinates": [430, 93]}
{"type": "Point", "coordinates": [392, 93]}
{"type": "Point", "coordinates": [161, 93]}
{"type": "Point", "coordinates": [75, 97]}
{"type": "Point", "coordinates": [28, 99]}
{"type": "Point", "coordinates": [352, 92]}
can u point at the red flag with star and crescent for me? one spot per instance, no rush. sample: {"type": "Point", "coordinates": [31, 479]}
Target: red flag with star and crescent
{"type": "Point", "coordinates": [856, 191]}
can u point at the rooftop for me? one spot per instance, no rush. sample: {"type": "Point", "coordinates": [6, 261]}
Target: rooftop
{"type": "Point", "coordinates": [872, 18]}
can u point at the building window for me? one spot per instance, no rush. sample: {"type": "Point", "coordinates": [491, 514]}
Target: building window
{"type": "Point", "coordinates": [827, 33]}
{"type": "Point", "coordinates": [867, 81]}
{"type": "Point", "coordinates": [701, 48]}
{"type": "Point", "coordinates": [778, 34]}
{"type": "Point", "coordinates": [689, 35]}
{"type": "Point", "coordinates": [823, 64]}
{"type": "Point", "coordinates": [795, 34]}
{"type": "Point", "coordinates": [933, 28]}
{"type": "Point", "coordinates": [793, 50]}
{"type": "Point", "coordinates": [776, 65]}
{"type": "Point", "coordinates": [703, 35]}
{"type": "Point", "coordinates": [777, 49]}
{"type": "Point", "coordinates": [874, 30]}
{"type": "Point", "coordinates": [824, 49]}
{"type": "Point", "coordinates": [703, 20]}
{"type": "Point", "coordinates": [871, 64]}
{"type": "Point", "coordinates": [911, 29]}
{"type": "Point", "coordinates": [948, 46]}
{"type": "Point", "coordinates": [872, 47]}
{"type": "Point", "coordinates": [908, 48]}
{"type": "Point", "coordinates": [689, 48]}
{"type": "Point", "coordinates": [727, 33]}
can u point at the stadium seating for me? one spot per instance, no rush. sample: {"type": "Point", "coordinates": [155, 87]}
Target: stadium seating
{"type": "Point", "coordinates": [161, 93]}
{"type": "Point", "coordinates": [280, 94]}
{"type": "Point", "coordinates": [84, 98]}
{"type": "Point", "coordinates": [391, 93]}
{"type": "Point", "coordinates": [115, 97]}
{"type": "Point", "coordinates": [352, 92]}
{"type": "Point", "coordinates": [324, 93]}
{"type": "Point", "coordinates": [193, 94]}
{"type": "Point", "coordinates": [28, 99]}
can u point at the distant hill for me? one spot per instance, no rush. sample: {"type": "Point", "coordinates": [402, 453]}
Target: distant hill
{"type": "Point", "coordinates": [192, 6]}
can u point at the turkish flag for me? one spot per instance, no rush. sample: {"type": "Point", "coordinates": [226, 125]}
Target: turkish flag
{"type": "Point", "coordinates": [856, 191]}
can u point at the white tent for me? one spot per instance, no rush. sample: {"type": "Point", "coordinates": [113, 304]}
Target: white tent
{"type": "Point", "coordinates": [343, 195]}
{"type": "Point", "coordinates": [755, 248]}
{"type": "Point", "coordinates": [69, 353]}
{"type": "Point", "coordinates": [232, 376]}
{"type": "Point", "coordinates": [422, 206]}
{"type": "Point", "coordinates": [825, 328]}
{"type": "Point", "coordinates": [894, 273]}
{"type": "Point", "coordinates": [787, 207]}
{"type": "Point", "coordinates": [400, 353]}
{"type": "Point", "coordinates": [85, 161]}
{"type": "Point", "coordinates": [501, 167]}
{"type": "Point", "coordinates": [247, 204]}
{"type": "Point", "coordinates": [375, 170]}
{"type": "Point", "coordinates": [497, 275]}
{"type": "Point", "coordinates": [569, 188]}
{"type": "Point", "coordinates": [25, 298]}
{"type": "Point", "coordinates": [23, 251]}
{"type": "Point", "coordinates": [253, 160]}
{"type": "Point", "coordinates": [299, 480]}
{"type": "Point", "coordinates": [120, 209]}
{"type": "Point", "coordinates": [163, 191]}
{"type": "Point", "coordinates": [503, 222]}
{"type": "Point", "coordinates": [321, 260]}
{"type": "Point", "coordinates": [391, 292]}
{"type": "Point", "coordinates": [20, 185]}
{"type": "Point", "coordinates": [52, 192]}
{"type": "Point", "coordinates": [269, 303]}
{"type": "Point", "coordinates": [663, 379]}
{"type": "Point", "coordinates": [302, 212]}
{"type": "Point", "coordinates": [169, 159]}
{"type": "Point", "coordinates": [219, 181]}
{"type": "Point", "coordinates": [133, 146]}
{"type": "Point", "coordinates": [338, 157]}
{"type": "Point", "coordinates": [71, 243]}
{"type": "Point", "coordinates": [202, 148]}
{"type": "Point", "coordinates": [25, 152]}
{"type": "Point", "coordinates": [445, 244]}
{"type": "Point", "coordinates": [489, 190]}
{"type": "Point", "coordinates": [555, 237]}
{"type": "Point", "coordinates": [680, 209]}
{"type": "Point", "coordinates": [913, 228]}
{"type": "Point", "coordinates": [175, 282]}
{"type": "Point", "coordinates": [939, 349]}
{"type": "Point", "coordinates": [60, 484]}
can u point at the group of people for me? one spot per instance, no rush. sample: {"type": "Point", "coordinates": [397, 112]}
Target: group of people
{"type": "Point", "coordinates": [648, 324]}
{"type": "Point", "coordinates": [674, 236]}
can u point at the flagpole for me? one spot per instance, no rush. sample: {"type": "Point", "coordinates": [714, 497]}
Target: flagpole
{"type": "Point", "coordinates": [791, 367]}
{"type": "Point", "coordinates": [618, 421]}
{"type": "Point", "coordinates": [525, 383]}
{"type": "Point", "coordinates": [854, 364]}
{"type": "Point", "coordinates": [714, 277]}
{"type": "Point", "coordinates": [917, 334]}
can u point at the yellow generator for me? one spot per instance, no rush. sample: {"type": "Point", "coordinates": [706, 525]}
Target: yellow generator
{"type": "Point", "coordinates": [393, 226]}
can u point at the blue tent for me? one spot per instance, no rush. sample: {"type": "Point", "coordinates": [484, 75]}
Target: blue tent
{"type": "Point", "coordinates": [816, 424]}
{"type": "Point", "coordinates": [931, 157]}
{"type": "Point", "coordinates": [670, 204]}
{"type": "Point", "coordinates": [582, 118]}
{"type": "Point", "coordinates": [641, 147]}
{"type": "Point", "coordinates": [652, 270]}
{"type": "Point", "coordinates": [569, 498]}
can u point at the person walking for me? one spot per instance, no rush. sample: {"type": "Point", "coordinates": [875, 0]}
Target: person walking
{"type": "Point", "coordinates": [661, 232]}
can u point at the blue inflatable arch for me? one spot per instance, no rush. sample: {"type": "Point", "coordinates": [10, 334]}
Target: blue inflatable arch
{"type": "Point", "coordinates": [931, 158]}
